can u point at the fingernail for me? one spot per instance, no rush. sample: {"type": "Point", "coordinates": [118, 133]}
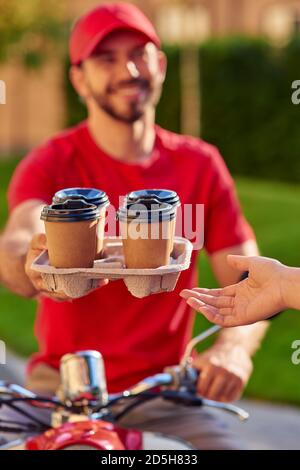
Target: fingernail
{"type": "Point", "coordinates": [184, 294]}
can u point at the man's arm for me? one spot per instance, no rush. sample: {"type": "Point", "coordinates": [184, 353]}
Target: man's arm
{"type": "Point", "coordinates": [21, 242]}
{"type": "Point", "coordinates": [226, 366]}
{"type": "Point", "coordinates": [15, 240]}
{"type": "Point", "coordinates": [224, 273]}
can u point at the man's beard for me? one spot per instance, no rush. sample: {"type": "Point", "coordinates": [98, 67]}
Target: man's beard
{"type": "Point", "coordinates": [137, 109]}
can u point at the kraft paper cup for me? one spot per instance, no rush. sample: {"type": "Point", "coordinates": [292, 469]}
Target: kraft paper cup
{"type": "Point", "coordinates": [166, 196]}
{"type": "Point", "coordinates": [147, 231]}
{"type": "Point", "coordinates": [71, 232]}
{"type": "Point", "coordinates": [92, 196]}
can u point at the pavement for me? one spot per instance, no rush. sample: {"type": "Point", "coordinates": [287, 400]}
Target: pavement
{"type": "Point", "coordinates": [270, 426]}
{"type": "Point", "coordinates": [14, 369]}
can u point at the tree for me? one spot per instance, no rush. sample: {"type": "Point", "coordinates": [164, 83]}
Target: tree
{"type": "Point", "coordinates": [31, 30]}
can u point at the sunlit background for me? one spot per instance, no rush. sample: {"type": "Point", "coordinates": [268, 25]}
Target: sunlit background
{"type": "Point", "coordinates": [230, 73]}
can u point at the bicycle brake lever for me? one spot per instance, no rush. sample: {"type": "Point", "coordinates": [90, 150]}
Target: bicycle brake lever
{"type": "Point", "coordinates": [15, 390]}
{"type": "Point", "coordinates": [236, 410]}
{"type": "Point", "coordinates": [190, 399]}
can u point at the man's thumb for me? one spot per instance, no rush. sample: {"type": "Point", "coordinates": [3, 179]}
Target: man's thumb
{"type": "Point", "coordinates": [39, 242]}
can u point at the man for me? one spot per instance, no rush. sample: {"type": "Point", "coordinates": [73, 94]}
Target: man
{"type": "Point", "coordinates": [118, 69]}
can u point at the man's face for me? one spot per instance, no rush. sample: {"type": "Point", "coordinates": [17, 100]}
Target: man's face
{"type": "Point", "coordinates": [124, 75]}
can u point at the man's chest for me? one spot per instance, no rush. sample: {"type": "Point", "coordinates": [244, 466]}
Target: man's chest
{"type": "Point", "coordinates": [118, 180]}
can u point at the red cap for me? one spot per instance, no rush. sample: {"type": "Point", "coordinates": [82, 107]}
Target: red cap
{"type": "Point", "coordinates": [95, 25]}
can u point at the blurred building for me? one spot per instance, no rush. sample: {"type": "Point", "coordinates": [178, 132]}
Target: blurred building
{"type": "Point", "coordinates": [34, 107]}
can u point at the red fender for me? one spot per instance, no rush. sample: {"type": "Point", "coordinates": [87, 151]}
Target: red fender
{"type": "Point", "coordinates": [101, 435]}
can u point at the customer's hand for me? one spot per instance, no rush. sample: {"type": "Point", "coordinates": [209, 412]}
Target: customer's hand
{"type": "Point", "coordinates": [37, 245]}
{"type": "Point", "coordinates": [224, 372]}
{"type": "Point", "coordinates": [256, 298]}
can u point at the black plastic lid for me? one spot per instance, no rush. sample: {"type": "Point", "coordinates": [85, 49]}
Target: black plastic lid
{"type": "Point", "coordinates": [146, 210]}
{"type": "Point", "coordinates": [90, 195]}
{"type": "Point", "coordinates": [162, 195]}
{"type": "Point", "coordinates": [70, 211]}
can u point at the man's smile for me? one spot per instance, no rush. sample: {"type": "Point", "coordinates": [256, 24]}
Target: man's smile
{"type": "Point", "coordinates": [132, 92]}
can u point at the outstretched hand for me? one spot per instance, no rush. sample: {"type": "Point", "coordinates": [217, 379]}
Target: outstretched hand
{"type": "Point", "coordinates": [256, 298]}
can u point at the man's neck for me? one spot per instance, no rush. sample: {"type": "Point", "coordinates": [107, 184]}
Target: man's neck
{"type": "Point", "coordinates": [125, 142]}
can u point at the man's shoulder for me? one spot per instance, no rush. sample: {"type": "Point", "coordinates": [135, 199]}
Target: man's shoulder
{"type": "Point", "coordinates": [187, 146]}
{"type": "Point", "coordinates": [61, 144]}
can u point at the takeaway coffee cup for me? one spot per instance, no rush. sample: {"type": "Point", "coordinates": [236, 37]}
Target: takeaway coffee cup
{"type": "Point", "coordinates": [147, 230]}
{"type": "Point", "coordinates": [92, 196]}
{"type": "Point", "coordinates": [162, 195]}
{"type": "Point", "coordinates": [71, 232]}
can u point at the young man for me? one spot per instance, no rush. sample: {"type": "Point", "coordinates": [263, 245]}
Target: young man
{"type": "Point", "coordinates": [118, 69]}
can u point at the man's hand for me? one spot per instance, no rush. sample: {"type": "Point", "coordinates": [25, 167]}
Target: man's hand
{"type": "Point", "coordinates": [256, 298]}
{"type": "Point", "coordinates": [37, 245]}
{"type": "Point", "coordinates": [224, 372]}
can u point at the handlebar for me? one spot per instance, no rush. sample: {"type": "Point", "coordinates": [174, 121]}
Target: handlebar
{"type": "Point", "coordinates": [167, 382]}
{"type": "Point", "coordinates": [184, 392]}
{"type": "Point", "coordinates": [157, 380]}
{"type": "Point", "coordinates": [84, 387]}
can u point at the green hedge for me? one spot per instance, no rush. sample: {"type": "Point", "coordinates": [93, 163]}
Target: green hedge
{"type": "Point", "coordinates": [76, 110]}
{"type": "Point", "coordinates": [169, 108]}
{"type": "Point", "coordinates": [246, 104]}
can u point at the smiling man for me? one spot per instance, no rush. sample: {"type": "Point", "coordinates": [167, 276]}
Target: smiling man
{"type": "Point", "coordinates": [118, 69]}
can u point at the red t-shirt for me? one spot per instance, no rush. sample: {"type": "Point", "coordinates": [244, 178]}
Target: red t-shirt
{"type": "Point", "coordinates": [137, 337]}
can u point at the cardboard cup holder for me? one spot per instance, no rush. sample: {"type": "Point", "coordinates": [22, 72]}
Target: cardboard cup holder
{"type": "Point", "coordinates": [77, 282]}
